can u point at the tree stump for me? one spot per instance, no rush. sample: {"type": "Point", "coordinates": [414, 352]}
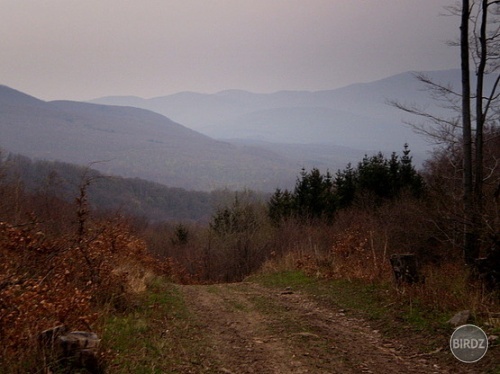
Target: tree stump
{"type": "Point", "coordinates": [405, 268]}
{"type": "Point", "coordinates": [76, 349]}
{"type": "Point", "coordinates": [47, 338]}
{"type": "Point", "coordinates": [80, 348]}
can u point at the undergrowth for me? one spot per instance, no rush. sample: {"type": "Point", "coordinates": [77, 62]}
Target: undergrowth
{"type": "Point", "coordinates": [153, 335]}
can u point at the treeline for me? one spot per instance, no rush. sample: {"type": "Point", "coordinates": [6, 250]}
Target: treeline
{"type": "Point", "coordinates": [131, 196]}
{"type": "Point", "coordinates": [381, 196]}
{"type": "Point", "coordinates": [375, 179]}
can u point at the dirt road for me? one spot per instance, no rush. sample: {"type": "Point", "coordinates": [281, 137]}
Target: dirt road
{"type": "Point", "coordinates": [252, 329]}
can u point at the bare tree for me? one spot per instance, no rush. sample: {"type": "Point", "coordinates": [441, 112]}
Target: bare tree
{"type": "Point", "coordinates": [470, 235]}
{"type": "Point", "coordinates": [480, 45]}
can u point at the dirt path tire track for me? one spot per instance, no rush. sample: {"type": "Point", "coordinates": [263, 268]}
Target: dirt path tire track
{"type": "Point", "coordinates": [253, 329]}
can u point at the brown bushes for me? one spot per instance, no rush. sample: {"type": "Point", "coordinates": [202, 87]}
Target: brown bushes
{"type": "Point", "coordinates": [48, 280]}
{"type": "Point", "coordinates": [358, 247]}
{"type": "Point", "coordinates": [236, 244]}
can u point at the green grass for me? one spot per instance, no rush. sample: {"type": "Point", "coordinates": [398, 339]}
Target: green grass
{"type": "Point", "coordinates": [355, 295]}
{"type": "Point", "coordinates": [154, 335]}
{"type": "Point", "coordinates": [369, 299]}
{"type": "Point", "coordinates": [282, 279]}
{"type": "Point", "coordinates": [376, 302]}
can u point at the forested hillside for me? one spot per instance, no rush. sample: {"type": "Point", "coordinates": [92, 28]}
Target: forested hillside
{"type": "Point", "coordinates": [130, 196]}
{"type": "Point", "coordinates": [134, 143]}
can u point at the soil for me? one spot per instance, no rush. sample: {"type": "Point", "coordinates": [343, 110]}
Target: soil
{"type": "Point", "coordinates": [247, 328]}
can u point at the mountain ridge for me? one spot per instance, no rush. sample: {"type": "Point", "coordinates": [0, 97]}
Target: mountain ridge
{"type": "Point", "coordinates": [231, 139]}
{"type": "Point", "coordinates": [10, 95]}
{"type": "Point", "coordinates": [231, 113]}
{"type": "Point", "coordinates": [136, 143]}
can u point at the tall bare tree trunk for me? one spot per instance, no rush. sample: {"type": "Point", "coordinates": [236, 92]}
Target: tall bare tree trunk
{"type": "Point", "coordinates": [480, 120]}
{"type": "Point", "coordinates": [470, 237]}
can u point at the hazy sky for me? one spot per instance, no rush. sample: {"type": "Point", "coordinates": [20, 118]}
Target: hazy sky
{"type": "Point", "coordinates": [83, 49]}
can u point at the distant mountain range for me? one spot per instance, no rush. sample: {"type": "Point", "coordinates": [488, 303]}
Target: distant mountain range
{"type": "Point", "coordinates": [134, 142]}
{"type": "Point", "coordinates": [356, 116]}
{"type": "Point", "coordinates": [263, 140]}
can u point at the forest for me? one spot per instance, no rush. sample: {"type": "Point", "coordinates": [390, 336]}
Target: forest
{"type": "Point", "coordinates": [66, 262]}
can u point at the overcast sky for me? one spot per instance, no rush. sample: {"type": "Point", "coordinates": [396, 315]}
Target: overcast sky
{"type": "Point", "coordinates": [83, 49]}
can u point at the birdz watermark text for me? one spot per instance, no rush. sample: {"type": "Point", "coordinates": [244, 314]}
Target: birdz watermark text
{"type": "Point", "coordinates": [469, 343]}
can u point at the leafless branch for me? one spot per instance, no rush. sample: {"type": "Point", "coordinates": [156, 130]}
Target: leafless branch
{"type": "Point", "coordinates": [444, 131]}
{"type": "Point", "coordinates": [492, 170]}
{"type": "Point", "coordinates": [438, 87]}
{"type": "Point", "coordinates": [492, 95]}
